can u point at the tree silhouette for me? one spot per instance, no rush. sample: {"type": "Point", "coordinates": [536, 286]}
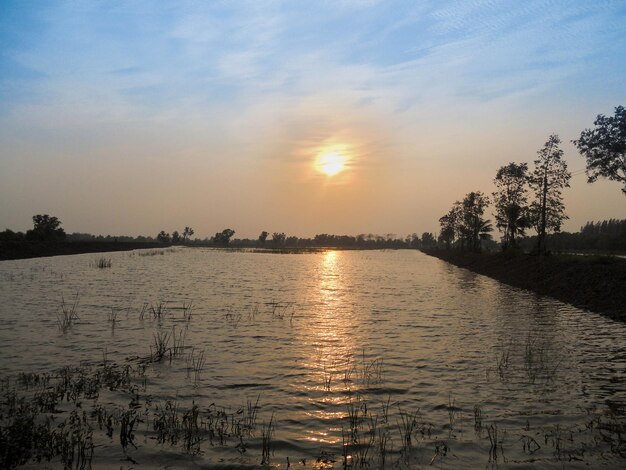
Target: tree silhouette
{"type": "Point", "coordinates": [604, 148]}
{"type": "Point", "coordinates": [548, 178]}
{"type": "Point", "coordinates": [450, 226]}
{"type": "Point", "coordinates": [510, 200]}
{"type": "Point", "coordinates": [175, 237]}
{"type": "Point", "coordinates": [428, 240]}
{"type": "Point", "coordinates": [278, 238]}
{"type": "Point", "coordinates": [163, 237]}
{"type": "Point", "coordinates": [473, 227]}
{"type": "Point", "coordinates": [46, 227]}
{"type": "Point", "coordinates": [187, 233]}
{"type": "Point", "coordinates": [223, 237]}
{"type": "Point", "coordinates": [464, 225]}
{"type": "Point", "coordinates": [263, 237]}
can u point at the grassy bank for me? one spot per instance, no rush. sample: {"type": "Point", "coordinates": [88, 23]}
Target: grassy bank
{"type": "Point", "coordinates": [34, 249]}
{"type": "Point", "coordinates": [596, 283]}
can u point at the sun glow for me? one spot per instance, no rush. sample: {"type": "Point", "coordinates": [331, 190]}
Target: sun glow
{"type": "Point", "coordinates": [331, 163]}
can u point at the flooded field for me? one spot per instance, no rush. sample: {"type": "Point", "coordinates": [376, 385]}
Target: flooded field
{"type": "Point", "coordinates": [200, 358]}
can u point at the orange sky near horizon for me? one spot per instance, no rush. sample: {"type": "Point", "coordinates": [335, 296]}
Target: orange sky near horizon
{"type": "Point", "coordinates": [217, 115]}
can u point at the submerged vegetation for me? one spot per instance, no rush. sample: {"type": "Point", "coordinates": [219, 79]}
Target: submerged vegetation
{"type": "Point", "coordinates": [103, 262]}
{"type": "Point", "coordinates": [59, 416]}
{"type": "Point", "coordinates": [67, 315]}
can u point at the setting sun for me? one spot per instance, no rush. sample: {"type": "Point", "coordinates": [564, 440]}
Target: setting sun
{"type": "Point", "coordinates": [331, 163]}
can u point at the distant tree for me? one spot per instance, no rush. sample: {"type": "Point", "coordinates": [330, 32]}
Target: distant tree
{"type": "Point", "coordinates": [46, 227]}
{"type": "Point", "coordinates": [511, 200]}
{"type": "Point", "coordinates": [263, 237]}
{"type": "Point", "coordinates": [176, 237]}
{"type": "Point", "coordinates": [163, 237]}
{"type": "Point", "coordinates": [447, 233]}
{"type": "Point", "coordinates": [548, 178]}
{"type": "Point", "coordinates": [473, 227]}
{"type": "Point", "coordinates": [292, 241]}
{"type": "Point", "coordinates": [223, 237]}
{"type": "Point", "coordinates": [428, 240]}
{"type": "Point", "coordinates": [278, 238]}
{"type": "Point", "coordinates": [187, 233]}
{"type": "Point", "coordinates": [414, 241]}
{"type": "Point", "coordinates": [10, 235]}
{"type": "Point", "coordinates": [604, 147]}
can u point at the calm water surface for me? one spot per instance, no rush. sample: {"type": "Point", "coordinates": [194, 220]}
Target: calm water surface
{"type": "Point", "coordinates": [481, 369]}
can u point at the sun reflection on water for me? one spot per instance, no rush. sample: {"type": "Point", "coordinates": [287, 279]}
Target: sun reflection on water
{"type": "Point", "coordinates": [329, 344]}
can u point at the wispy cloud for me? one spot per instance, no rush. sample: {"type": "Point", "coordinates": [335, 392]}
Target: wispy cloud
{"type": "Point", "coordinates": [259, 84]}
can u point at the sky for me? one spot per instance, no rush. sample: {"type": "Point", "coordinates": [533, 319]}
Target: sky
{"type": "Point", "coordinates": [136, 117]}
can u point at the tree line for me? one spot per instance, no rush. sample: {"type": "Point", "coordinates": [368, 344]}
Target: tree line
{"type": "Point", "coordinates": [532, 198]}
{"type": "Point", "coordinates": [608, 235]}
{"type": "Point", "coordinates": [523, 199]}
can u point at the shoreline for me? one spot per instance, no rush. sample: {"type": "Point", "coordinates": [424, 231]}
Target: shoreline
{"type": "Point", "coordinates": [14, 250]}
{"type": "Point", "coordinates": [595, 283]}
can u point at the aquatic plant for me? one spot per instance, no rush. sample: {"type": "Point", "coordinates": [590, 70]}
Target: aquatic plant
{"type": "Point", "coordinates": [112, 317]}
{"type": "Point", "coordinates": [195, 364]}
{"type": "Point", "coordinates": [495, 443]}
{"type": "Point", "coordinates": [191, 429]}
{"type": "Point", "coordinates": [267, 433]}
{"type": "Point", "coordinates": [68, 315]}
{"type": "Point", "coordinates": [178, 342]}
{"type": "Point", "coordinates": [407, 424]}
{"type": "Point", "coordinates": [478, 419]}
{"type": "Point", "coordinates": [158, 310]}
{"type": "Point", "coordinates": [127, 425]}
{"type": "Point", "coordinates": [161, 343]}
{"type": "Point", "coordinates": [280, 309]}
{"type": "Point", "coordinates": [102, 263]}
{"type": "Point", "coordinates": [187, 310]}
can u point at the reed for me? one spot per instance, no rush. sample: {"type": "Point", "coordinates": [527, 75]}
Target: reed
{"type": "Point", "coordinates": [178, 342]}
{"type": "Point", "coordinates": [529, 444]}
{"type": "Point", "coordinates": [328, 371]}
{"type": "Point", "coordinates": [102, 263]}
{"type": "Point", "coordinates": [187, 310]}
{"type": "Point", "coordinates": [494, 443]}
{"type": "Point", "coordinates": [267, 434]}
{"type": "Point", "coordinates": [143, 311]}
{"type": "Point", "coordinates": [452, 412]}
{"type": "Point", "coordinates": [441, 450]}
{"type": "Point", "coordinates": [372, 371]}
{"type": "Point", "coordinates": [280, 309]}
{"type": "Point", "coordinates": [195, 364]}
{"type": "Point", "coordinates": [112, 317]}
{"type": "Point", "coordinates": [158, 310]}
{"type": "Point", "coordinates": [127, 424]}
{"type": "Point", "coordinates": [67, 316]}
{"type": "Point", "coordinates": [151, 253]}
{"type": "Point", "coordinates": [250, 413]}
{"type": "Point", "coordinates": [478, 419]}
{"type": "Point", "coordinates": [232, 319]}
{"type": "Point", "coordinates": [385, 446]}
{"type": "Point", "coordinates": [191, 429]}
{"type": "Point", "coordinates": [166, 423]}
{"type": "Point", "coordinates": [161, 342]}
{"type": "Point", "coordinates": [253, 312]}
{"type": "Point", "coordinates": [407, 424]}
{"type": "Point", "coordinates": [502, 363]}
{"type": "Point", "coordinates": [385, 409]}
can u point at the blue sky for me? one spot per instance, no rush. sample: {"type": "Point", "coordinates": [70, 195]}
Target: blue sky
{"type": "Point", "coordinates": [132, 117]}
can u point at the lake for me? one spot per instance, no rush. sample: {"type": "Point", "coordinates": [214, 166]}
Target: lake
{"type": "Point", "coordinates": [360, 359]}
